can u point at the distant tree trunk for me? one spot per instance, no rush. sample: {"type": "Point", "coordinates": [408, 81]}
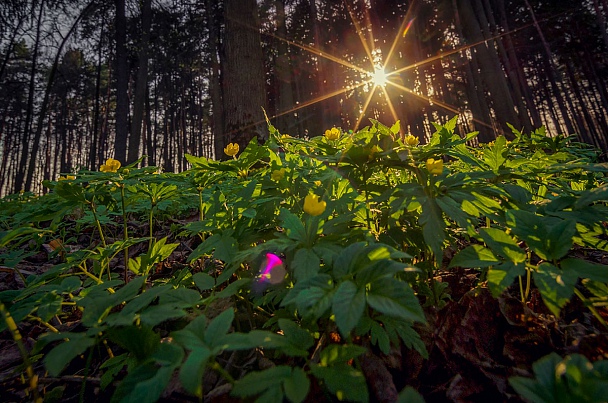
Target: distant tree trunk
{"type": "Point", "coordinates": [47, 93]}
{"type": "Point", "coordinates": [243, 74]}
{"type": "Point", "coordinates": [215, 84]}
{"type": "Point", "coordinates": [474, 90]}
{"type": "Point", "coordinates": [601, 21]}
{"type": "Point", "coordinates": [122, 82]}
{"type": "Point", "coordinates": [283, 72]}
{"type": "Point", "coordinates": [93, 156]}
{"type": "Point", "coordinates": [141, 83]}
{"type": "Point", "coordinates": [490, 68]}
{"type": "Point", "coordinates": [21, 170]}
{"type": "Point", "coordinates": [552, 72]}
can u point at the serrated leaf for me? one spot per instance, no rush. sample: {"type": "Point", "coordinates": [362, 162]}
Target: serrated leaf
{"type": "Point", "coordinates": [293, 225]}
{"type": "Point", "coordinates": [475, 256]}
{"type": "Point", "coordinates": [296, 335]}
{"type": "Point", "coordinates": [433, 226]}
{"type": "Point", "coordinates": [218, 327]}
{"type": "Point", "coordinates": [556, 287]}
{"type": "Point", "coordinates": [501, 276]}
{"type": "Point", "coordinates": [61, 355]}
{"type": "Point", "coordinates": [586, 269]}
{"type": "Point", "coordinates": [345, 382]}
{"type": "Point", "coordinates": [258, 381]}
{"type": "Point", "coordinates": [502, 244]}
{"type": "Point", "coordinates": [140, 341]}
{"type": "Point", "coordinates": [203, 281]}
{"type": "Point", "coordinates": [395, 298]}
{"type": "Point", "coordinates": [348, 306]}
{"type": "Point", "coordinates": [305, 264]}
{"type": "Point", "coordinates": [191, 372]}
{"type": "Point", "coordinates": [297, 385]}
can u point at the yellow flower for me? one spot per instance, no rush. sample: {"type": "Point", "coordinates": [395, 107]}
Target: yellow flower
{"type": "Point", "coordinates": [111, 165]}
{"type": "Point", "coordinates": [67, 178]}
{"type": "Point", "coordinates": [333, 134]}
{"type": "Point", "coordinates": [231, 149]}
{"type": "Point", "coordinates": [411, 140]}
{"type": "Point", "coordinates": [313, 206]}
{"type": "Point", "coordinates": [318, 183]}
{"type": "Point", "coordinates": [285, 136]}
{"type": "Point", "coordinates": [277, 174]}
{"type": "Point", "coordinates": [434, 166]}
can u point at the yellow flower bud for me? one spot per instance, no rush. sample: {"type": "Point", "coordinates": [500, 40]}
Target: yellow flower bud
{"type": "Point", "coordinates": [411, 140]}
{"type": "Point", "coordinates": [277, 174]}
{"type": "Point", "coordinates": [67, 178]}
{"type": "Point", "coordinates": [318, 183]}
{"type": "Point", "coordinates": [111, 165]}
{"type": "Point", "coordinates": [435, 167]}
{"type": "Point", "coordinates": [333, 134]}
{"type": "Point", "coordinates": [231, 149]}
{"type": "Point", "coordinates": [313, 206]}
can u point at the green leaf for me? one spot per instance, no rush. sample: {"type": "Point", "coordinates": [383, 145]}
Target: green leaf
{"type": "Point", "coordinates": [560, 239]}
{"type": "Point", "coordinates": [556, 287]}
{"type": "Point", "coordinates": [395, 298]}
{"type": "Point", "coordinates": [140, 341]}
{"type": "Point", "coordinates": [586, 269]}
{"type": "Point", "coordinates": [502, 244]}
{"type": "Point", "coordinates": [156, 314]}
{"type": "Point", "coordinates": [345, 382]}
{"type": "Point", "coordinates": [501, 276]}
{"type": "Point", "coordinates": [257, 382]}
{"type": "Point", "coordinates": [305, 264]}
{"type": "Point", "coordinates": [433, 226]}
{"type": "Point", "coordinates": [293, 225]}
{"type": "Point", "coordinates": [339, 353]}
{"type": "Point", "coordinates": [144, 383]}
{"type": "Point", "coordinates": [348, 306]}
{"type": "Point", "coordinates": [296, 335]}
{"type": "Point", "coordinates": [541, 389]}
{"type": "Point", "coordinates": [297, 385]}
{"type": "Point", "coordinates": [495, 156]}
{"type": "Point", "coordinates": [314, 302]}
{"type": "Point", "coordinates": [233, 288]}
{"type": "Point", "coordinates": [62, 354]}
{"type": "Point", "coordinates": [203, 281]}
{"type": "Point", "coordinates": [218, 328]}
{"type": "Point", "coordinates": [346, 260]}
{"type": "Point", "coordinates": [191, 372]}
{"type": "Point", "coordinates": [410, 395]}
{"type": "Point", "coordinates": [475, 256]}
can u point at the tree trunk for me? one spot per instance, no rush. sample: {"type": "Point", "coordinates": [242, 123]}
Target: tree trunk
{"type": "Point", "coordinates": [122, 82]}
{"type": "Point", "coordinates": [552, 72]}
{"type": "Point", "coordinates": [243, 80]}
{"type": "Point", "coordinates": [285, 102]}
{"type": "Point", "coordinates": [215, 83]}
{"type": "Point", "coordinates": [21, 170]}
{"type": "Point", "coordinates": [490, 68]}
{"type": "Point", "coordinates": [141, 83]}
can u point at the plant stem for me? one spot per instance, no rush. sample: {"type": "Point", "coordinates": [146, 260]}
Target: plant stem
{"type": "Point", "coordinates": [217, 367]}
{"type": "Point", "coordinates": [12, 327]}
{"type": "Point", "coordinates": [151, 226]}
{"type": "Point", "coordinates": [125, 231]}
{"type": "Point", "coordinates": [103, 239]}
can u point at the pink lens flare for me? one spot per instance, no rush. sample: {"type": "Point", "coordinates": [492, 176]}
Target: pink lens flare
{"type": "Point", "coordinates": [272, 270]}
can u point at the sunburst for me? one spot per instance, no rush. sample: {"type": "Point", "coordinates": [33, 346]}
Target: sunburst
{"type": "Point", "coordinates": [376, 78]}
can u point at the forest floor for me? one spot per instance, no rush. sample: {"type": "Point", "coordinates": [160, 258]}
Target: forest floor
{"type": "Point", "coordinates": [475, 343]}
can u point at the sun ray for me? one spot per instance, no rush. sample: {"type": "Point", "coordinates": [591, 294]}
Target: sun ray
{"type": "Point", "coordinates": [364, 109]}
{"type": "Point", "coordinates": [360, 33]}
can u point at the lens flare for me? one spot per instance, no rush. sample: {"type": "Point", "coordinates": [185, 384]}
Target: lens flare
{"type": "Point", "coordinates": [379, 77]}
{"type": "Point", "coordinates": [272, 270]}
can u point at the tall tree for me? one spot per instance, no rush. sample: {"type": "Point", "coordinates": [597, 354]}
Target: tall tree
{"type": "Point", "coordinates": [121, 72]}
{"type": "Point", "coordinates": [244, 92]}
{"type": "Point", "coordinates": [141, 83]}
